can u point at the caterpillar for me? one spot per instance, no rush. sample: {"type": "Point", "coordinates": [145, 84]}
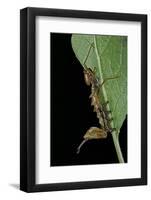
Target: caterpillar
{"type": "Point", "coordinates": [100, 108]}
{"type": "Point", "coordinates": [101, 112]}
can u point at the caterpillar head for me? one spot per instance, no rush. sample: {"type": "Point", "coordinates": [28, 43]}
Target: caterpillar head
{"type": "Point", "coordinates": [88, 76]}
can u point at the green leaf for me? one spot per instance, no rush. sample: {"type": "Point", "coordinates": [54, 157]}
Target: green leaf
{"type": "Point", "coordinates": [107, 56]}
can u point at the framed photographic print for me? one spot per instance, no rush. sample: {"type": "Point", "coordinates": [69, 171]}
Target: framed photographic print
{"type": "Point", "coordinates": [83, 99]}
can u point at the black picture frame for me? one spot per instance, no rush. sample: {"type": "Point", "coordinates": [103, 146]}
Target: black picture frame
{"type": "Point", "coordinates": [28, 98]}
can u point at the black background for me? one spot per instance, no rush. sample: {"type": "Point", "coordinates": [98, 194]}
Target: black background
{"type": "Point", "coordinates": [71, 112]}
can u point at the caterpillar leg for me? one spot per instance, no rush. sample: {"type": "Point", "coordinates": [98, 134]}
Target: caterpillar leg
{"type": "Point", "coordinates": [91, 45]}
{"type": "Point", "coordinates": [112, 129]}
{"type": "Point", "coordinates": [105, 104]}
{"type": "Point", "coordinates": [109, 78]}
{"type": "Point", "coordinates": [110, 119]}
{"type": "Point", "coordinates": [107, 112]}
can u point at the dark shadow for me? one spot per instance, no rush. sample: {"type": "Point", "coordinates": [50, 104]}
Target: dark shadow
{"type": "Point", "coordinates": [14, 185]}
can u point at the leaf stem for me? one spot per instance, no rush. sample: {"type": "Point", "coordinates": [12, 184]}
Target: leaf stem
{"type": "Point", "coordinates": [114, 135]}
{"type": "Point", "coordinates": [117, 148]}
